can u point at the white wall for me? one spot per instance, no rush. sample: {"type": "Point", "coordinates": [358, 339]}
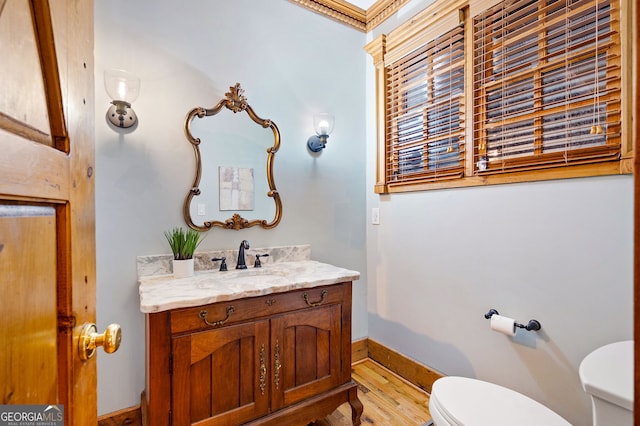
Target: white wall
{"type": "Point", "coordinates": [292, 63]}
{"type": "Point", "coordinates": [559, 251]}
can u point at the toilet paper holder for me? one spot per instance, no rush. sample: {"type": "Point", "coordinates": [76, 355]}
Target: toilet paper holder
{"type": "Point", "coordinates": [532, 325]}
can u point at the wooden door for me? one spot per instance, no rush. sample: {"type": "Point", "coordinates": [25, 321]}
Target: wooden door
{"type": "Point", "coordinates": [636, 210]}
{"type": "Point", "coordinates": [219, 376]}
{"type": "Point", "coordinates": [305, 348]}
{"type": "Point", "coordinates": [47, 213]}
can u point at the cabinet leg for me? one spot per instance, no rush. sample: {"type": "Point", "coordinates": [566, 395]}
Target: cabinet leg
{"type": "Point", "coordinates": [356, 406]}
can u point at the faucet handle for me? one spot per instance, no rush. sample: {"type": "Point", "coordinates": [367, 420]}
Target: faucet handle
{"type": "Point", "coordinates": [258, 264]}
{"type": "Point", "coordinates": [223, 264]}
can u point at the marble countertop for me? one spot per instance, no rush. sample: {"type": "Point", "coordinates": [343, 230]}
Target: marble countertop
{"type": "Point", "coordinates": [163, 292]}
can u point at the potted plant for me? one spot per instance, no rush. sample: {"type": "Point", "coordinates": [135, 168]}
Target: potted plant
{"type": "Point", "coordinates": [183, 244]}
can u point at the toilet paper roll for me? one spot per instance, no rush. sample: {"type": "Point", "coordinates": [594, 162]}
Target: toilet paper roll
{"type": "Point", "coordinates": [503, 325]}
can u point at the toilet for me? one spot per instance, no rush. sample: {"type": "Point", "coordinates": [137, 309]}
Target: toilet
{"type": "Point", "coordinates": [607, 376]}
{"type": "Point", "coordinates": [457, 401]}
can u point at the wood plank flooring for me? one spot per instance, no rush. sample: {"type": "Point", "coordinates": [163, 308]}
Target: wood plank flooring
{"type": "Point", "coordinates": [388, 399]}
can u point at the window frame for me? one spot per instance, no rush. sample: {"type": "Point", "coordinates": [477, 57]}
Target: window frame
{"type": "Point", "coordinates": [434, 21]}
{"type": "Point", "coordinates": [425, 112]}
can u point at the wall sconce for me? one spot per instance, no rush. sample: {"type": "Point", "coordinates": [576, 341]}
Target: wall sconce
{"type": "Point", "coordinates": [123, 87]}
{"type": "Point", "coordinates": [323, 125]}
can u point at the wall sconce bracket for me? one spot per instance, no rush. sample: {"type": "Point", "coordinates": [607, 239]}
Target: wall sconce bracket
{"type": "Point", "coordinates": [120, 114]}
{"type": "Point", "coordinates": [317, 143]}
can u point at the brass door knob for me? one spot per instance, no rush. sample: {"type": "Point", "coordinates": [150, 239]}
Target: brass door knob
{"type": "Point", "coordinates": [90, 339]}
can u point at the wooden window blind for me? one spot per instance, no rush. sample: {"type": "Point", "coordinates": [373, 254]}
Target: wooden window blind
{"type": "Point", "coordinates": [547, 84]}
{"type": "Point", "coordinates": [425, 112]}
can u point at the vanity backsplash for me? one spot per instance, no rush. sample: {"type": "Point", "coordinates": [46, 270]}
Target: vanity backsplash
{"type": "Point", "coordinates": [152, 265]}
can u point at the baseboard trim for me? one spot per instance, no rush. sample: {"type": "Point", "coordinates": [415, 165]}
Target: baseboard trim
{"type": "Point", "coordinates": [126, 417]}
{"type": "Point", "coordinates": [359, 350]}
{"type": "Point", "coordinates": [414, 372]}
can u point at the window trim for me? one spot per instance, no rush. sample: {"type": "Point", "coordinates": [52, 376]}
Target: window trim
{"type": "Point", "coordinates": [427, 83]}
{"type": "Point", "coordinates": [429, 24]}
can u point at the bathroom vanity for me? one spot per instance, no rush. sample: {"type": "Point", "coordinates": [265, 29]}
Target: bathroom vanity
{"type": "Point", "coordinates": [267, 346]}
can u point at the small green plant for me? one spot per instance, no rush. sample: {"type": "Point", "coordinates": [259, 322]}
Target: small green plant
{"type": "Point", "coordinates": [183, 243]}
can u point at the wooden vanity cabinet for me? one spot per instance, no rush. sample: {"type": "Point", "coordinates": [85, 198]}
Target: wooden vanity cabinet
{"type": "Point", "coordinates": [279, 359]}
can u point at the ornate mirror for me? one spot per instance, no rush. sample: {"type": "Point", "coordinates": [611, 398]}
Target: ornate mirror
{"type": "Point", "coordinates": [230, 162]}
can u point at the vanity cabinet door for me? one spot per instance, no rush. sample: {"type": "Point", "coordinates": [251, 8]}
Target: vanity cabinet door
{"type": "Point", "coordinates": [305, 354]}
{"type": "Point", "coordinates": [220, 375]}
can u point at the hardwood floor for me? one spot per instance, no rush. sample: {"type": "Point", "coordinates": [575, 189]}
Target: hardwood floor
{"type": "Point", "coordinates": [388, 399]}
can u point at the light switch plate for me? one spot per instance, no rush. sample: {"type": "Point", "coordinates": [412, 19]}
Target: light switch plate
{"type": "Point", "coordinates": [375, 216]}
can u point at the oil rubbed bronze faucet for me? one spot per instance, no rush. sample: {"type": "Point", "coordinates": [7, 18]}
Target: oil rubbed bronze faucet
{"type": "Point", "coordinates": [240, 264]}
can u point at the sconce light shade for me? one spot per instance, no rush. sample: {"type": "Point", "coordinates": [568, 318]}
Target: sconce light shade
{"type": "Point", "coordinates": [323, 124]}
{"type": "Point", "coordinates": [123, 88]}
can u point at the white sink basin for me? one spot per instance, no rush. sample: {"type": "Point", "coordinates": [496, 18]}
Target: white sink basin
{"type": "Point", "coordinates": [254, 277]}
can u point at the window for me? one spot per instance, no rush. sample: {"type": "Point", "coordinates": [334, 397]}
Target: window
{"type": "Point", "coordinates": [425, 111]}
{"type": "Point", "coordinates": [521, 90]}
{"type": "Point", "coordinates": [547, 85]}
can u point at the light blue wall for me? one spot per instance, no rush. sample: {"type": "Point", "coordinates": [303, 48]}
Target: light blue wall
{"type": "Point", "coordinates": [292, 63]}
{"type": "Point", "coordinates": [559, 251]}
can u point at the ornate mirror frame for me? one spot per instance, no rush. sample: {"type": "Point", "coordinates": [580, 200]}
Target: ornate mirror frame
{"type": "Point", "coordinates": [236, 102]}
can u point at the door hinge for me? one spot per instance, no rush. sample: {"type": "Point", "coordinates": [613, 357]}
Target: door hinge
{"type": "Point", "coordinates": [66, 323]}
{"type": "Point", "coordinates": [170, 418]}
{"type": "Point", "coordinates": [170, 363]}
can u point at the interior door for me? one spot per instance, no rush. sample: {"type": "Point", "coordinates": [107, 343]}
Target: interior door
{"type": "Point", "coordinates": [47, 213]}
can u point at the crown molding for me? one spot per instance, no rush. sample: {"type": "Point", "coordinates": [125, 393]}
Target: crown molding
{"type": "Point", "coordinates": [381, 10]}
{"type": "Point", "coordinates": [338, 10]}
{"type": "Point", "coordinates": [349, 14]}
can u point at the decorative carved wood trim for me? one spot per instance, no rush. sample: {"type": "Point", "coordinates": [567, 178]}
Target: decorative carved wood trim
{"type": "Point", "coordinates": [338, 10]}
{"type": "Point", "coordinates": [346, 13]}
{"type": "Point", "coordinates": [381, 10]}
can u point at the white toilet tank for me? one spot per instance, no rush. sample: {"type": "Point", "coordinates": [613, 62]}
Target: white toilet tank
{"type": "Point", "coordinates": [607, 376]}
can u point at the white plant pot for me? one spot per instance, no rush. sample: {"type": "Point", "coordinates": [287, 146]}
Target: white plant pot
{"type": "Point", "coordinates": [183, 268]}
